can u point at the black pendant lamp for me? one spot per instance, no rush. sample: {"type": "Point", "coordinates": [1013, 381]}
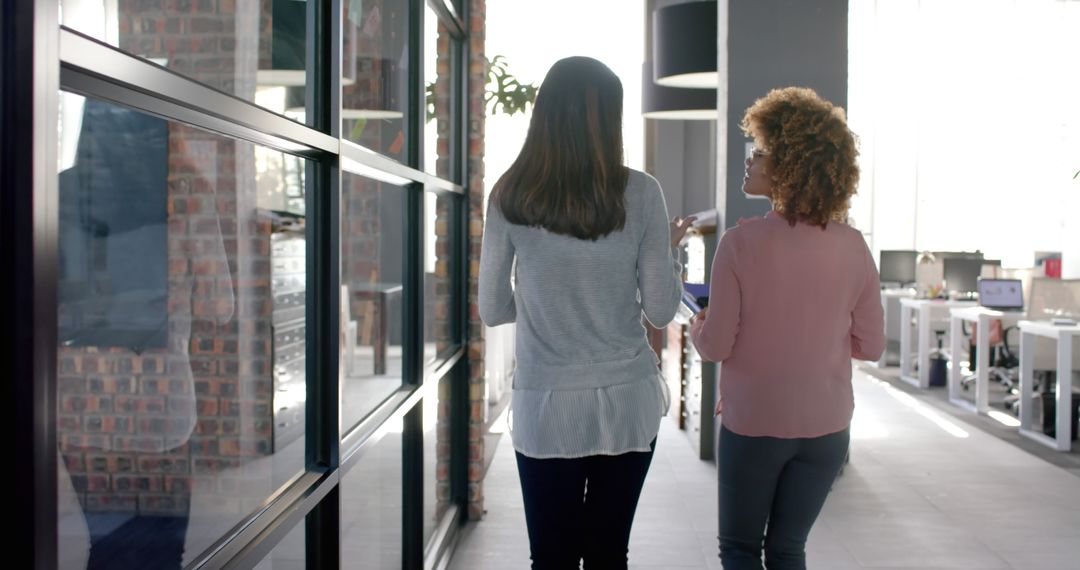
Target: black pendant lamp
{"type": "Point", "coordinates": [659, 102]}
{"type": "Point", "coordinates": [684, 45]}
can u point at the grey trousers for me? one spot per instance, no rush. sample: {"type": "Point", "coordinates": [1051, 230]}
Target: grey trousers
{"type": "Point", "coordinates": [771, 491]}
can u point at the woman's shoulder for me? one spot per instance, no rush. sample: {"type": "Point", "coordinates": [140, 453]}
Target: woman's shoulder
{"type": "Point", "coordinates": [847, 231]}
{"type": "Point", "coordinates": [640, 182]}
{"type": "Point", "coordinates": [642, 188]}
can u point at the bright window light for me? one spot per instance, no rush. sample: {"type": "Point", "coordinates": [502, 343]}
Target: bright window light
{"type": "Point", "coordinates": [1004, 418]}
{"type": "Point", "coordinates": [924, 411]}
{"type": "Point", "coordinates": [865, 426]}
{"type": "Point", "coordinates": [957, 121]}
{"type": "Point", "coordinates": [502, 423]}
{"type": "Point", "coordinates": [612, 31]}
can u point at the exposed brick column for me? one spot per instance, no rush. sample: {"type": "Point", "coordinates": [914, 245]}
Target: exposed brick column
{"type": "Point", "coordinates": [475, 188]}
{"type": "Point", "coordinates": [441, 328]}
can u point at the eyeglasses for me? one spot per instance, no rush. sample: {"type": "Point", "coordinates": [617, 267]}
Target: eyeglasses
{"type": "Point", "coordinates": [756, 154]}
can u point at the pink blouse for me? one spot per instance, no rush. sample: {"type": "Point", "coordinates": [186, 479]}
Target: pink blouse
{"type": "Point", "coordinates": [789, 307]}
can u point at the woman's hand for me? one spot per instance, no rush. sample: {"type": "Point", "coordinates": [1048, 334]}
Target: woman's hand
{"type": "Point", "coordinates": [679, 227]}
{"type": "Point", "coordinates": [700, 315]}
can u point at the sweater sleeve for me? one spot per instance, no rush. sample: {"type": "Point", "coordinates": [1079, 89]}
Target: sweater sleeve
{"type": "Point", "coordinates": [496, 295]}
{"type": "Point", "coordinates": [658, 269]}
{"type": "Point", "coordinates": [868, 316]}
{"type": "Point", "coordinates": [714, 335]}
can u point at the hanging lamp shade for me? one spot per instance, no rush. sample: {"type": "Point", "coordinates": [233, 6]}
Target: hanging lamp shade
{"type": "Point", "coordinates": [684, 45]}
{"type": "Point", "coordinates": [659, 102]}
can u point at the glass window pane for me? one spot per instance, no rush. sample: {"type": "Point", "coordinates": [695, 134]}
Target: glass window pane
{"type": "Point", "coordinates": [438, 267]}
{"type": "Point", "coordinates": [374, 93]}
{"type": "Point", "coordinates": [437, 451]}
{"type": "Point", "coordinates": [372, 254]}
{"type": "Point", "coordinates": [371, 514]}
{"type": "Point", "coordinates": [289, 554]}
{"type": "Point", "coordinates": [437, 129]}
{"type": "Point", "coordinates": [255, 50]}
{"type": "Point", "coordinates": [181, 329]}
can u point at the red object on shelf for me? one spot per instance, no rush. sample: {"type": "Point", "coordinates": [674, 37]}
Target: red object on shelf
{"type": "Point", "coordinates": [1053, 268]}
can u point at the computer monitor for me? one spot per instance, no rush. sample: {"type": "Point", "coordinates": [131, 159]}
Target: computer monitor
{"type": "Point", "coordinates": [1001, 294]}
{"type": "Point", "coordinates": [943, 255]}
{"type": "Point", "coordinates": [962, 274]}
{"type": "Point", "coordinates": [897, 266]}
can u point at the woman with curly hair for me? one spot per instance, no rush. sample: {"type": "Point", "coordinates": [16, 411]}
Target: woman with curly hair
{"type": "Point", "coordinates": [794, 297]}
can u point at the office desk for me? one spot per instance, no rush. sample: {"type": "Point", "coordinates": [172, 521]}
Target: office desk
{"type": "Point", "coordinates": [923, 311]}
{"type": "Point", "coordinates": [890, 305]}
{"type": "Point", "coordinates": [1066, 337]}
{"type": "Point", "coordinates": [982, 318]}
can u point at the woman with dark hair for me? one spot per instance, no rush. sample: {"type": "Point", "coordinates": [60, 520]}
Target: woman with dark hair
{"type": "Point", "coordinates": [794, 296]}
{"type": "Point", "coordinates": [594, 252]}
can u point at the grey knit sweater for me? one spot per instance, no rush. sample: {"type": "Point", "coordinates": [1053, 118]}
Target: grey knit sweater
{"type": "Point", "coordinates": [586, 381]}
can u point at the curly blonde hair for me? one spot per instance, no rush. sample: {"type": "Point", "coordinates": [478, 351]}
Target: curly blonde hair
{"type": "Point", "coordinates": [810, 154]}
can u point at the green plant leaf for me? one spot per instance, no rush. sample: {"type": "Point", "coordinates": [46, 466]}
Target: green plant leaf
{"type": "Point", "coordinates": [503, 93]}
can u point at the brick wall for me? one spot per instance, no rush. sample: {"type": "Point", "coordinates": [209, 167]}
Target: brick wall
{"type": "Point", "coordinates": [475, 188]}
{"type": "Point", "coordinates": [477, 402]}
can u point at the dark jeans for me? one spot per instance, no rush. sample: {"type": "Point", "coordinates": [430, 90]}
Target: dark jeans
{"type": "Point", "coordinates": [146, 542]}
{"type": "Point", "coordinates": [581, 508]}
{"type": "Point", "coordinates": [776, 483]}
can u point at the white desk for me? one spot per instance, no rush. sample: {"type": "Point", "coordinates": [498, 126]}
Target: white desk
{"type": "Point", "coordinates": [890, 305]}
{"type": "Point", "coordinates": [982, 317]}
{"type": "Point", "coordinates": [1065, 337]}
{"type": "Point", "coordinates": [924, 311]}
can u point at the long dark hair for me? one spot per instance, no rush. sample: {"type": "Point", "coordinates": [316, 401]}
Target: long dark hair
{"type": "Point", "coordinates": [569, 177]}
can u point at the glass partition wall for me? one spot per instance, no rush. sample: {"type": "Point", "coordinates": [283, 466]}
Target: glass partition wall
{"type": "Point", "coordinates": [248, 241]}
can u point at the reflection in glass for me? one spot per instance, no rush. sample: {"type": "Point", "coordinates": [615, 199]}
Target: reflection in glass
{"type": "Point", "coordinates": [437, 87]}
{"type": "Point", "coordinates": [375, 75]}
{"type": "Point", "coordinates": [181, 357]}
{"type": "Point", "coordinates": [255, 50]}
{"type": "Point", "coordinates": [289, 554]}
{"type": "Point", "coordinates": [438, 228]}
{"type": "Point", "coordinates": [372, 261]}
{"type": "Point", "coordinates": [371, 514]}
{"type": "Point", "coordinates": [437, 456]}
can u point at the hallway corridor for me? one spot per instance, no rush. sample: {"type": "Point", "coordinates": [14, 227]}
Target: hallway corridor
{"type": "Point", "coordinates": [923, 491]}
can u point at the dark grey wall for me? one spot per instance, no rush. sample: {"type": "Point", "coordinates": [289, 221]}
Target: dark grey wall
{"type": "Point", "coordinates": [771, 44]}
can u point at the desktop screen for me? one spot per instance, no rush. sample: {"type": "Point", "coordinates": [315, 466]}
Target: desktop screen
{"type": "Point", "coordinates": [962, 274]}
{"type": "Point", "coordinates": [943, 255]}
{"type": "Point", "coordinates": [897, 266]}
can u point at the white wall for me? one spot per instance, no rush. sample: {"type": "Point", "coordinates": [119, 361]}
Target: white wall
{"type": "Point", "coordinates": [969, 117]}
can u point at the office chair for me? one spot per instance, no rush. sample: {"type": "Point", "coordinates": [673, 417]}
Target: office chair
{"type": "Point", "coordinates": [1001, 360]}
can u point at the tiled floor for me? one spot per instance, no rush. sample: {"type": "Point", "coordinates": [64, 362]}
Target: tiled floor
{"type": "Point", "coordinates": [922, 491]}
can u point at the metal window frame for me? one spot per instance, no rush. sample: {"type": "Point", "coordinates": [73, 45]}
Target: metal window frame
{"type": "Point", "coordinates": [64, 59]}
{"type": "Point", "coordinates": [29, 101]}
